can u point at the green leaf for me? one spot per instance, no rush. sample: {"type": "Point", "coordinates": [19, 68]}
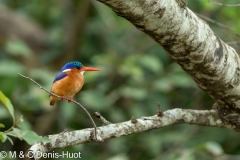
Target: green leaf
{"type": "Point", "coordinates": [181, 80]}
{"type": "Point", "coordinates": [133, 92]}
{"type": "Point", "coordinates": [29, 136]}
{"type": "Point", "coordinates": [2, 125]}
{"type": "Point", "coordinates": [21, 118]}
{"type": "Point", "coordinates": [94, 99]}
{"type": "Point", "coordinates": [15, 133]}
{"type": "Point", "coordinates": [10, 68]}
{"type": "Point", "coordinates": [3, 137]}
{"type": "Point", "coordinates": [11, 141]}
{"type": "Point", "coordinates": [214, 148]}
{"type": "Point", "coordinates": [7, 104]}
{"type": "Point", "coordinates": [3, 112]}
{"type": "Point", "coordinates": [18, 48]}
{"type": "Point", "coordinates": [152, 63]}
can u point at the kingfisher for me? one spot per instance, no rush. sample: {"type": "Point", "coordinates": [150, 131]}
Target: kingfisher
{"type": "Point", "coordinates": [69, 81]}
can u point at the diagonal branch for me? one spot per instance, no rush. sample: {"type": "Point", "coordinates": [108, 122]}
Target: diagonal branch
{"type": "Point", "coordinates": [169, 117]}
{"type": "Point", "coordinates": [212, 64]}
{"type": "Point", "coordinates": [95, 127]}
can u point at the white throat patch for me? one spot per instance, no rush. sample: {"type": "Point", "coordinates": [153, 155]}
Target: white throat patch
{"type": "Point", "coordinates": [82, 72]}
{"type": "Point", "coordinates": [66, 70]}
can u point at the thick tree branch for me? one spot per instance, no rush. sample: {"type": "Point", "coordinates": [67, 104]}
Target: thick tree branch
{"type": "Point", "coordinates": [169, 117]}
{"type": "Point", "coordinates": [212, 64]}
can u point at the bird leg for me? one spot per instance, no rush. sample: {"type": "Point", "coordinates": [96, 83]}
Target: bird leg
{"type": "Point", "coordinates": [70, 100]}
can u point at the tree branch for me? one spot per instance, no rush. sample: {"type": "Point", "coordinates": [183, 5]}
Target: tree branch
{"type": "Point", "coordinates": [217, 23]}
{"type": "Point", "coordinates": [161, 119]}
{"type": "Point", "coordinates": [212, 64]}
{"type": "Point", "coordinates": [101, 118]}
{"type": "Point", "coordinates": [224, 5]}
{"type": "Point", "coordinates": [169, 117]}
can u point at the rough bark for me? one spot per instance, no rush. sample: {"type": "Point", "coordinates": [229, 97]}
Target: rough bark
{"type": "Point", "coordinates": [174, 116]}
{"type": "Point", "coordinates": [212, 64]}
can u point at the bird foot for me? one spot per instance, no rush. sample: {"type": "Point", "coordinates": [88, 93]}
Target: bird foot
{"type": "Point", "coordinates": [63, 97]}
{"type": "Point", "coordinates": [70, 100]}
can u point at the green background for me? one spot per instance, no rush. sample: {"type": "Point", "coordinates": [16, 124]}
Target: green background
{"type": "Point", "coordinates": [136, 73]}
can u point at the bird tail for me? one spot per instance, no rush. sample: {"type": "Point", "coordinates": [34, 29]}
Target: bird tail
{"type": "Point", "coordinates": [52, 103]}
{"type": "Point", "coordinates": [53, 100]}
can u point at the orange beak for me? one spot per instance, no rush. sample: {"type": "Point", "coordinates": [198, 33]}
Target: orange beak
{"type": "Point", "coordinates": [89, 69]}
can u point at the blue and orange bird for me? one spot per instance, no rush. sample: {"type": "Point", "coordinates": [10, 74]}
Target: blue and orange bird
{"type": "Point", "coordinates": [69, 81]}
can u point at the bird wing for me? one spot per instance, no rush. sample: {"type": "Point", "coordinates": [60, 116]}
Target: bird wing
{"type": "Point", "coordinates": [59, 76]}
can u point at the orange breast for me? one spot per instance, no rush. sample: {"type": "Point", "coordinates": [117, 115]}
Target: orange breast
{"type": "Point", "coordinates": [69, 85]}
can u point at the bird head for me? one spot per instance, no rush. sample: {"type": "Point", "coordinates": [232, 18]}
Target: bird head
{"type": "Point", "coordinates": [77, 66]}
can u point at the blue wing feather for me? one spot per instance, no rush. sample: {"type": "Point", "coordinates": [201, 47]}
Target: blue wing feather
{"type": "Point", "coordinates": [59, 76]}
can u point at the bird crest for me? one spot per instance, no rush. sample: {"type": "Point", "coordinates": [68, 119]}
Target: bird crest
{"type": "Point", "coordinates": [67, 67]}
{"type": "Point", "coordinates": [74, 64]}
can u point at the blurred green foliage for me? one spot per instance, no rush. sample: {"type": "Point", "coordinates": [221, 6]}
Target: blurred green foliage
{"type": "Point", "coordinates": [29, 136]}
{"type": "Point", "coordinates": [136, 73]}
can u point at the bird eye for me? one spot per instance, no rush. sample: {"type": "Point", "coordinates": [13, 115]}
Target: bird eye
{"type": "Point", "coordinates": [78, 67]}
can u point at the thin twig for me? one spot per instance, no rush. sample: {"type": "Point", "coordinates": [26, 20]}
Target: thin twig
{"type": "Point", "coordinates": [15, 123]}
{"type": "Point", "coordinates": [224, 5]}
{"type": "Point", "coordinates": [234, 43]}
{"type": "Point", "coordinates": [95, 127]}
{"type": "Point", "coordinates": [99, 116]}
{"type": "Point", "coordinates": [217, 23]}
